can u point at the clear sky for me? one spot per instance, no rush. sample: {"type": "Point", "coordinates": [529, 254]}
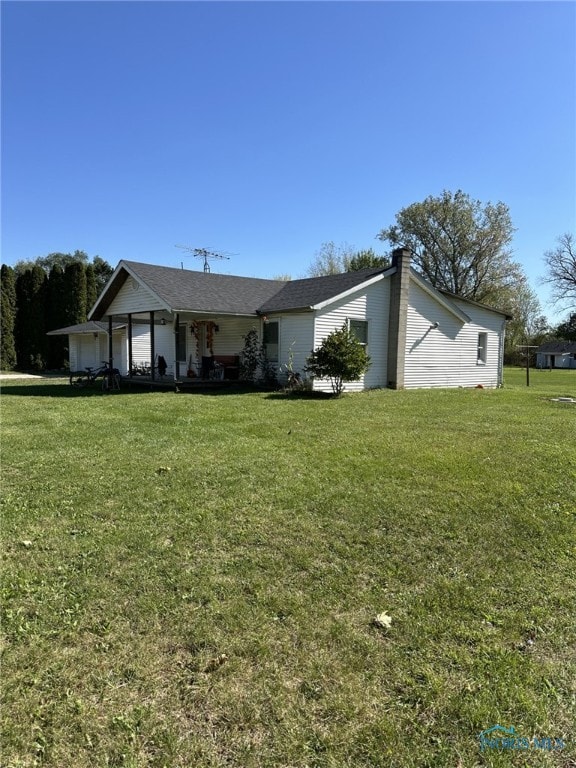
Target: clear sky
{"type": "Point", "coordinates": [263, 129]}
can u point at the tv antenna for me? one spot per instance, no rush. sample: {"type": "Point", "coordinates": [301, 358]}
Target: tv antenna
{"type": "Point", "coordinates": [203, 253]}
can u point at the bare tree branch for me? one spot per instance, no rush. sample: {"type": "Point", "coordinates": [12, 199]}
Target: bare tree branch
{"type": "Point", "coordinates": [561, 263]}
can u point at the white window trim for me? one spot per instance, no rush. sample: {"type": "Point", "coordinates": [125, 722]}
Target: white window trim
{"type": "Point", "coordinates": [482, 349]}
{"type": "Point", "coordinates": [351, 320]}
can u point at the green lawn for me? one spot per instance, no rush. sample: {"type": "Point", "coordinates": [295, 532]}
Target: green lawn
{"type": "Point", "coordinates": [191, 580]}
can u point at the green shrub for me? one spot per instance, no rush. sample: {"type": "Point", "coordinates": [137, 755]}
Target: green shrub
{"type": "Point", "coordinates": [340, 358]}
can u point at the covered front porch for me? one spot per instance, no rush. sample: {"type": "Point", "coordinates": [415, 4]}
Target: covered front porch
{"type": "Point", "coordinates": [184, 347]}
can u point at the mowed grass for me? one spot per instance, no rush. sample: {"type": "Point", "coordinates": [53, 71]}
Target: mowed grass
{"type": "Point", "coordinates": [191, 580]}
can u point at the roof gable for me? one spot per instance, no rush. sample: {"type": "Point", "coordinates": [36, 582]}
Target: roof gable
{"type": "Point", "coordinates": [439, 297]}
{"type": "Point", "coordinates": [182, 290]}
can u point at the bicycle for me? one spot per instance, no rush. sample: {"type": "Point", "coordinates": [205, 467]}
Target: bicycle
{"type": "Point", "coordinates": [87, 377]}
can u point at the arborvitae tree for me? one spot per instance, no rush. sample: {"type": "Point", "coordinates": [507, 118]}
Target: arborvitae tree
{"type": "Point", "coordinates": [75, 293]}
{"type": "Point", "coordinates": [56, 318]}
{"type": "Point", "coordinates": [72, 289]}
{"type": "Point", "coordinates": [92, 291]}
{"type": "Point", "coordinates": [7, 318]}
{"type": "Point", "coordinates": [30, 328]}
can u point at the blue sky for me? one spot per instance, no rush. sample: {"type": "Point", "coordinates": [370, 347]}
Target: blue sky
{"type": "Point", "coordinates": [263, 129]}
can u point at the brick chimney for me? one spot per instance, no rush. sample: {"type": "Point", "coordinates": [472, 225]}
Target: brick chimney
{"type": "Point", "coordinates": [399, 288]}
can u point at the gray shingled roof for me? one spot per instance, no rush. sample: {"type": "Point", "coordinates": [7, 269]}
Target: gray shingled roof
{"type": "Point", "coordinates": [92, 326]}
{"type": "Point", "coordinates": [557, 347]}
{"type": "Point", "coordinates": [184, 290]}
{"type": "Point", "coordinates": [187, 290]}
{"type": "Point", "coordinates": [306, 293]}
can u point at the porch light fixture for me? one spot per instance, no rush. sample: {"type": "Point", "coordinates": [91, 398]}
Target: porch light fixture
{"type": "Point", "coordinates": [216, 328]}
{"type": "Point", "coordinates": [163, 321]}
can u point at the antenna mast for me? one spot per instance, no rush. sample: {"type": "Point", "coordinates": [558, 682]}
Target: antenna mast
{"type": "Point", "coordinates": [203, 253]}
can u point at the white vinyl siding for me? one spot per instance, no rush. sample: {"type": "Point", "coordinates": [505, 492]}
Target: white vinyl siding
{"type": "Point", "coordinates": [229, 340]}
{"type": "Point", "coordinates": [368, 304]}
{"type": "Point", "coordinates": [128, 300]}
{"type": "Point", "coordinates": [295, 338]}
{"type": "Point", "coordinates": [84, 351]}
{"type": "Point", "coordinates": [447, 356]}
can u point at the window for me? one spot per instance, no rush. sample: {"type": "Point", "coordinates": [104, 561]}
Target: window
{"type": "Point", "coordinates": [270, 341]}
{"type": "Point", "coordinates": [482, 348]}
{"type": "Point", "coordinates": [359, 328]}
{"type": "Point", "coordinates": [181, 343]}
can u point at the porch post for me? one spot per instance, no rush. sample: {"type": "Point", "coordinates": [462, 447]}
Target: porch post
{"type": "Point", "coordinates": [176, 337]}
{"type": "Point", "coordinates": [130, 344]}
{"type": "Point", "coordinates": [152, 350]}
{"type": "Point", "coordinates": [110, 354]}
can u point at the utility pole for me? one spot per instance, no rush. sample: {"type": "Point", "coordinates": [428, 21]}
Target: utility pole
{"type": "Point", "coordinates": [527, 348]}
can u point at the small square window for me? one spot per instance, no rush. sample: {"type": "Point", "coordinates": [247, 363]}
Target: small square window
{"type": "Point", "coordinates": [359, 328]}
{"type": "Point", "coordinates": [482, 348]}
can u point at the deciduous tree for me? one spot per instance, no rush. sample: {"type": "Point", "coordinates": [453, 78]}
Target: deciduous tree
{"type": "Point", "coordinates": [459, 244]}
{"type": "Point", "coordinates": [332, 259]}
{"type": "Point", "coordinates": [561, 274]}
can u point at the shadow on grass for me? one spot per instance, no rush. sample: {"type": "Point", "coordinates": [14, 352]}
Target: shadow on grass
{"type": "Point", "coordinates": [64, 389]}
{"type": "Point", "coordinates": [54, 390]}
{"type": "Point", "coordinates": [301, 395]}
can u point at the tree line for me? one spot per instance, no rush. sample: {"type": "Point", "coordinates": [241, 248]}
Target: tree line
{"type": "Point", "coordinates": [51, 292]}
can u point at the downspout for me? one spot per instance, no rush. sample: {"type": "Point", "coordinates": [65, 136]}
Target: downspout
{"type": "Point", "coordinates": [501, 354]}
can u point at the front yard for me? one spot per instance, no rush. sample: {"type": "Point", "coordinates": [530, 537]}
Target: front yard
{"type": "Point", "coordinates": [191, 580]}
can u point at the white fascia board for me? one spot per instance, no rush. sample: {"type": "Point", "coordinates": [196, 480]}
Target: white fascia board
{"type": "Point", "coordinates": [212, 313]}
{"type": "Point", "coordinates": [350, 291]}
{"type": "Point", "coordinates": [443, 300]}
